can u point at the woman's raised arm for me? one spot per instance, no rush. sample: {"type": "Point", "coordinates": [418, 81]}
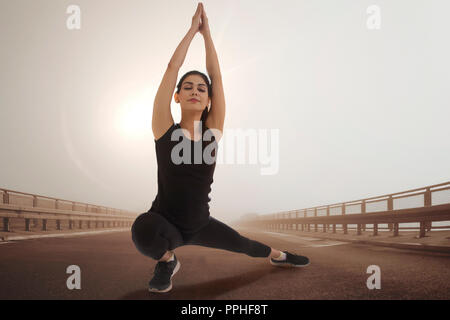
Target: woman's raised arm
{"type": "Point", "coordinates": [162, 118]}
{"type": "Point", "coordinates": [216, 116]}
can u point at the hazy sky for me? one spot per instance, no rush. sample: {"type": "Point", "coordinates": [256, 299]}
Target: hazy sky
{"type": "Point", "coordinates": [360, 112]}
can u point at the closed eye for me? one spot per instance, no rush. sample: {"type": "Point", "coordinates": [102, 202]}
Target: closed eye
{"type": "Point", "coordinates": [198, 89]}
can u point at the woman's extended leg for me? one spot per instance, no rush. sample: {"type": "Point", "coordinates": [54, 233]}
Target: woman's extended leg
{"type": "Point", "coordinates": [220, 236]}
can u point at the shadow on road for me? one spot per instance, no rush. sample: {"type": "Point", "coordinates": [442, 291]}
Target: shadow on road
{"type": "Point", "coordinates": [205, 290]}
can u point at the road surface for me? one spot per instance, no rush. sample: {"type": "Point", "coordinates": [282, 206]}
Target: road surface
{"type": "Point", "coordinates": [112, 268]}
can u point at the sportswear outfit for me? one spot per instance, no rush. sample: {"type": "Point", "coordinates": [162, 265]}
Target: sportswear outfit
{"type": "Point", "coordinates": [179, 214]}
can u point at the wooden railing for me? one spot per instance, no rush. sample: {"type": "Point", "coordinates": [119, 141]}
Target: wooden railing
{"type": "Point", "coordinates": [20, 210]}
{"type": "Point", "coordinates": [424, 215]}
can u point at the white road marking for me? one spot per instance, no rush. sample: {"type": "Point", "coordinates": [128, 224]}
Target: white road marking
{"type": "Point", "coordinates": [64, 235]}
{"type": "Point", "coordinates": [289, 235]}
{"type": "Point", "coordinates": [295, 239]}
{"type": "Point", "coordinates": [336, 243]}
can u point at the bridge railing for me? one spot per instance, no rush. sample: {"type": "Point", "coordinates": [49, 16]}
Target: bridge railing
{"type": "Point", "coordinates": [424, 214]}
{"type": "Point", "coordinates": [29, 212]}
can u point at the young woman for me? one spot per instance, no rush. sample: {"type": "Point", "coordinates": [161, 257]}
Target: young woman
{"type": "Point", "coordinates": [179, 215]}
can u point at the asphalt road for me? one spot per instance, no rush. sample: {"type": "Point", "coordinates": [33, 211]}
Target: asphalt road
{"type": "Point", "coordinates": [112, 268]}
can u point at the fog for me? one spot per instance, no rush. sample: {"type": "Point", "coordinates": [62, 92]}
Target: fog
{"type": "Point", "coordinates": [360, 111]}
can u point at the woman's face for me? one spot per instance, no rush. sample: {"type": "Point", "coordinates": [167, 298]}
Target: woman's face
{"type": "Point", "coordinates": [193, 87]}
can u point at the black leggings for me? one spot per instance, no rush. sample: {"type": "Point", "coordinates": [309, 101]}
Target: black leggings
{"type": "Point", "coordinates": [153, 235]}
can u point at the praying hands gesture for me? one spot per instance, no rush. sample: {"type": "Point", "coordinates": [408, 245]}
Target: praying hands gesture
{"type": "Point", "coordinates": [200, 21]}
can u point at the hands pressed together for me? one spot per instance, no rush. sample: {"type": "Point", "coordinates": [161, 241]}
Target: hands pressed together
{"type": "Point", "coordinates": [200, 21]}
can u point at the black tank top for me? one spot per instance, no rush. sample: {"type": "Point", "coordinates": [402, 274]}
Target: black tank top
{"type": "Point", "coordinates": [184, 184]}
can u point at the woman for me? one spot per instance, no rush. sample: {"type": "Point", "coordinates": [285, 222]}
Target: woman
{"type": "Point", "coordinates": [179, 215]}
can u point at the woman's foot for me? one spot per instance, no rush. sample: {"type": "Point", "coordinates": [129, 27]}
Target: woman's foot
{"type": "Point", "coordinates": [291, 260]}
{"type": "Point", "coordinates": [164, 271]}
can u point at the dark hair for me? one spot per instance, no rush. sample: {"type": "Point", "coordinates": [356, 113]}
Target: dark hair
{"type": "Point", "coordinates": [208, 84]}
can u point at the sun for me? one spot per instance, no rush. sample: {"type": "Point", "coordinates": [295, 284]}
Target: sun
{"type": "Point", "coordinates": [134, 115]}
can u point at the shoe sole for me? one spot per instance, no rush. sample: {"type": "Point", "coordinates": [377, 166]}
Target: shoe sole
{"type": "Point", "coordinates": [288, 264]}
{"type": "Point", "coordinates": [177, 267]}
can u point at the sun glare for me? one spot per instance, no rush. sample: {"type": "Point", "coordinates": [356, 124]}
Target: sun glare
{"type": "Point", "coordinates": [134, 116]}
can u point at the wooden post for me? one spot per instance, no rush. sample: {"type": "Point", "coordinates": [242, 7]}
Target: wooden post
{"type": "Point", "coordinates": [363, 210]}
{"type": "Point", "coordinates": [324, 227]}
{"type": "Point", "coordinates": [316, 227]}
{"type": "Point", "coordinates": [6, 224]}
{"type": "Point", "coordinates": [422, 229]}
{"type": "Point", "coordinates": [328, 214]}
{"type": "Point", "coordinates": [375, 229]}
{"type": "Point", "coordinates": [288, 225]}
{"type": "Point", "coordinates": [44, 224]}
{"type": "Point", "coordinates": [58, 224]}
{"type": "Point", "coordinates": [390, 205]}
{"type": "Point", "coordinates": [427, 203]}
{"type": "Point", "coordinates": [427, 198]}
{"type": "Point", "coordinates": [358, 232]}
{"type": "Point", "coordinates": [343, 213]}
{"type": "Point", "coordinates": [6, 197]}
{"type": "Point", "coordinates": [27, 224]}
{"type": "Point", "coordinates": [396, 229]}
{"type": "Point", "coordinates": [334, 227]}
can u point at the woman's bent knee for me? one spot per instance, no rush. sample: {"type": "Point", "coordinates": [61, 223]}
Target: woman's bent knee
{"type": "Point", "coordinates": [144, 233]}
{"type": "Point", "coordinates": [153, 235]}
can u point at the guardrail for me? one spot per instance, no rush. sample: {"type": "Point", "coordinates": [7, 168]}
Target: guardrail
{"type": "Point", "coordinates": [423, 215]}
{"type": "Point", "coordinates": [20, 210]}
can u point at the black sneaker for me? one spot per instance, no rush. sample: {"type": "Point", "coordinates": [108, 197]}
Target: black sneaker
{"type": "Point", "coordinates": [292, 260]}
{"type": "Point", "coordinates": [162, 279]}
